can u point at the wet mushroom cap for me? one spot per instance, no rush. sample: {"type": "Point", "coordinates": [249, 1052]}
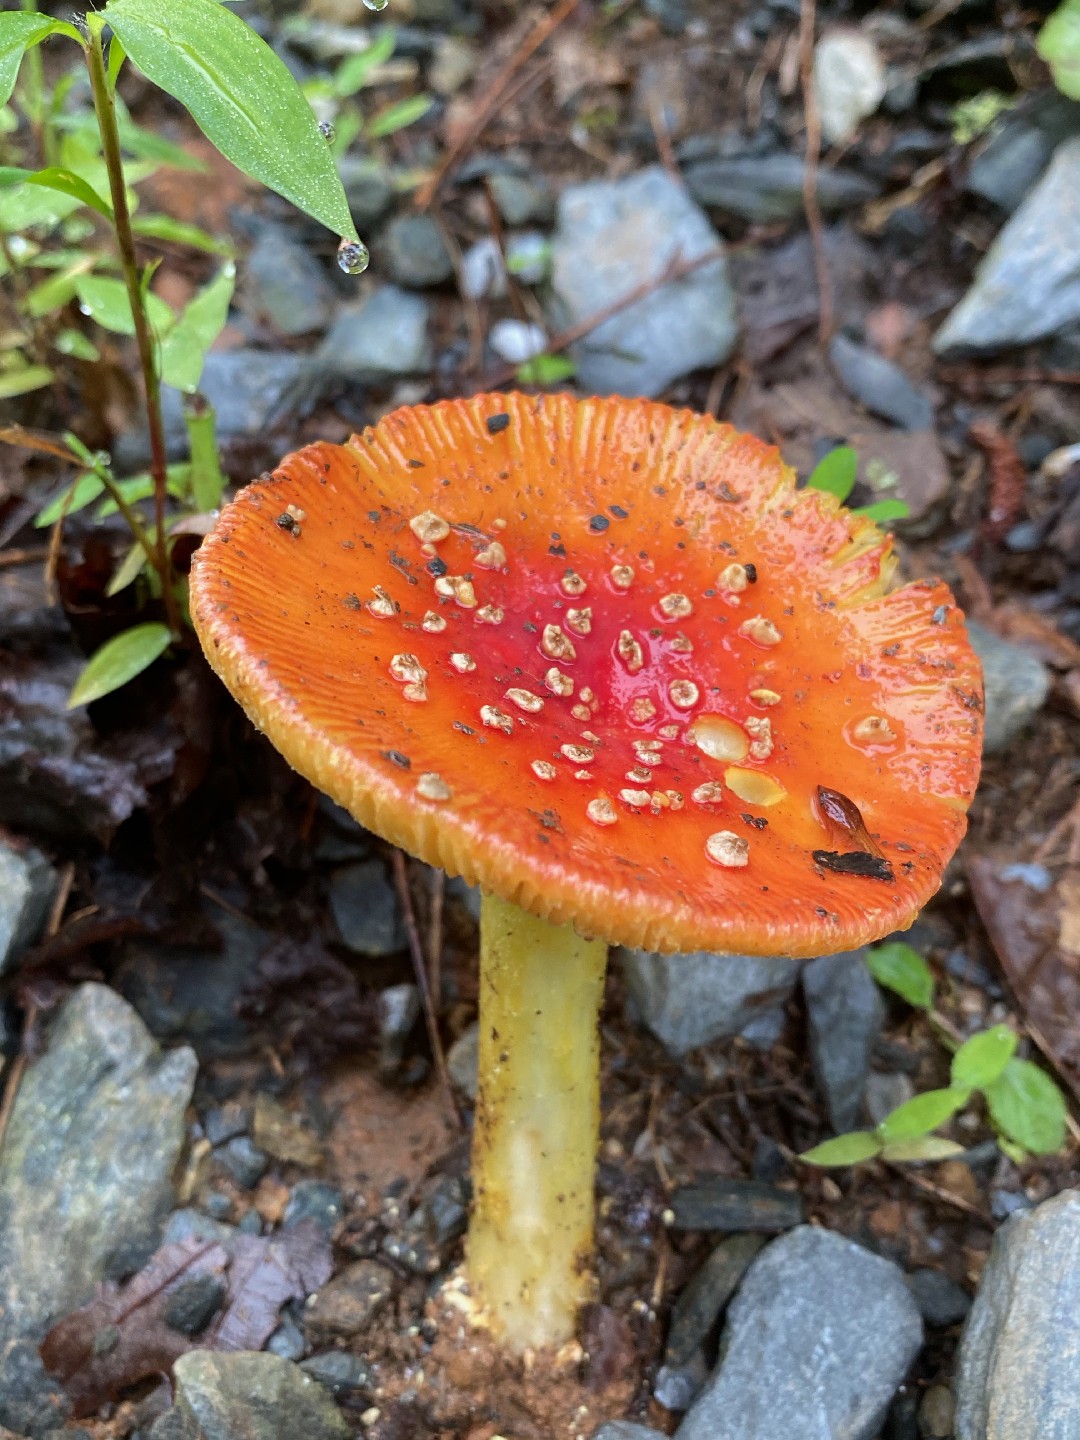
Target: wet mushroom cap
{"type": "Point", "coordinates": [602, 658]}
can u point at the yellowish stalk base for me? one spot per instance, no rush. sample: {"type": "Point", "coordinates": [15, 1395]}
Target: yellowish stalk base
{"type": "Point", "coordinates": [537, 1125]}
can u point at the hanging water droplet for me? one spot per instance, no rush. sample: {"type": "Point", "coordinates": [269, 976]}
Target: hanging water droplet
{"type": "Point", "coordinates": [352, 255]}
{"type": "Point", "coordinates": [376, 4]}
{"type": "Point", "coordinates": [328, 131]}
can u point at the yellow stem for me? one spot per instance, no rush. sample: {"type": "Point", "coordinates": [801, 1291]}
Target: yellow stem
{"type": "Point", "coordinates": [537, 1125]}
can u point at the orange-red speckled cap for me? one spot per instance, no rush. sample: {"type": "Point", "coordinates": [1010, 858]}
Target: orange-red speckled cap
{"type": "Point", "coordinates": [602, 658]}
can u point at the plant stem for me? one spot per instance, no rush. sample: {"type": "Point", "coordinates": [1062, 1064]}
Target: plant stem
{"type": "Point", "coordinates": [537, 1125]}
{"type": "Point", "coordinates": [105, 110]}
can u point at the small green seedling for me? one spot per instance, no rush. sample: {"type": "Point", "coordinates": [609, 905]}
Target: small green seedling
{"type": "Point", "coordinates": [1026, 1107]}
{"type": "Point", "coordinates": [1059, 45]}
{"type": "Point", "coordinates": [243, 98]}
{"type": "Point", "coordinates": [836, 472]}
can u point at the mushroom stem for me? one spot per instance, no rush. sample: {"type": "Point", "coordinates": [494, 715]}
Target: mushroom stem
{"type": "Point", "coordinates": [537, 1124]}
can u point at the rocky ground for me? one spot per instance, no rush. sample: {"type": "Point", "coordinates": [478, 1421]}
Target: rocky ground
{"type": "Point", "coordinates": [231, 1186]}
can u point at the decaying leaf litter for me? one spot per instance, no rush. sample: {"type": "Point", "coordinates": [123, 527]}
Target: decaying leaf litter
{"type": "Point", "coordinates": [238, 911]}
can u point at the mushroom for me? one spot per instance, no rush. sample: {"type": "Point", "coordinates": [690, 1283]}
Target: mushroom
{"type": "Point", "coordinates": [603, 659]}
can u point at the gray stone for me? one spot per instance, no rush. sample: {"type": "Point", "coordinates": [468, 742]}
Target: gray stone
{"type": "Point", "coordinates": [689, 1000]}
{"type": "Point", "coordinates": [1016, 684]}
{"type": "Point", "coordinates": [338, 1371]}
{"type": "Point", "coordinates": [885, 1091]}
{"type": "Point", "coordinates": [880, 385]}
{"type": "Point", "coordinates": [941, 1301]}
{"type": "Point", "coordinates": [735, 1205]}
{"type": "Point", "coordinates": [845, 1012]}
{"type": "Point", "coordinates": [1028, 284]}
{"type": "Point", "coordinates": [849, 78]}
{"type": "Point", "coordinates": [816, 1343]}
{"type": "Point", "coordinates": [243, 1159]}
{"type": "Point", "coordinates": [349, 1303]}
{"type": "Point", "coordinates": [191, 993]}
{"type": "Point", "coordinates": [287, 1340]}
{"type": "Point", "coordinates": [399, 1010]}
{"type": "Point", "coordinates": [85, 1171]}
{"type": "Point", "coordinates": [528, 256]}
{"type": "Point", "coordinates": [1019, 1371]}
{"type": "Point", "coordinates": [700, 1302]}
{"type": "Point", "coordinates": [626, 1430]}
{"type": "Point", "coordinates": [369, 189]}
{"type": "Point", "coordinates": [365, 909]}
{"type": "Point", "coordinates": [937, 1412]}
{"type": "Point", "coordinates": [483, 274]}
{"type": "Point", "coordinates": [248, 1396]}
{"type": "Point", "coordinates": [614, 236]}
{"type": "Point", "coordinates": [194, 1303]}
{"type": "Point", "coordinates": [768, 189]}
{"type": "Point", "coordinates": [314, 1200]}
{"type": "Point", "coordinates": [285, 284]}
{"type": "Point", "coordinates": [516, 341]}
{"type": "Point", "coordinates": [384, 336]}
{"type": "Point", "coordinates": [462, 1060]}
{"type": "Point", "coordinates": [415, 252]}
{"type": "Point", "coordinates": [1019, 149]}
{"type": "Point", "coordinates": [523, 201]}
{"type": "Point", "coordinates": [27, 883]}
{"type": "Point", "coordinates": [676, 1387]}
{"type": "Point", "coordinates": [247, 389]}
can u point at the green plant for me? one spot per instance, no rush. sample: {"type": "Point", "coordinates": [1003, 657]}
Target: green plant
{"type": "Point", "coordinates": [835, 473]}
{"type": "Point", "coordinates": [1058, 44]}
{"type": "Point", "coordinates": [334, 100]}
{"type": "Point", "coordinates": [245, 101]}
{"type": "Point", "coordinates": [1025, 1106]}
{"type": "Point", "coordinates": [973, 117]}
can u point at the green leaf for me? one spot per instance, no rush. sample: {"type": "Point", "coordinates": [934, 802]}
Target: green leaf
{"type": "Point", "coordinates": [207, 480]}
{"type": "Point", "coordinates": [184, 351]}
{"type": "Point", "coordinates": [17, 33]}
{"type": "Point", "coordinates": [117, 56]}
{"type": "Point", "coordinates": [848, 1149]}
{"type": "Point", "coordinates": [919, 1116]}
{"type": "Point", "coordinates": [54, 177]}
{"type": "Point", "coordinates": [835, 472]}
{"type": "Point", "coordinates": [164, 227]}
{"type": "Point", "coordinates": [22, 380]}
{"type": "Point", "coordinates": [241, 96]}
{"type": "Point", "coordinates": [83, 490]}
{"type": "Point", "coordinates": [1058, 44]}
{"type": "Point", "coordinates": [882, 511]}
{"type": "Point", "coordinates": [546, 370]}
{"type": "Point", "coordinates": [900, 968]}
{"type": "Point", "coordinates": [74, 343]}
{"type": "Point", "coordinates": [1028, 1107]}
{"type": "Point", "coordinates": [128, 571]}
{"type": "Point", "coordinates": [397, 117]}
{"type": "Point", "coordinates": [980, 1060]}
{"type": "Point", "coordinates": [118, 661]}
{"type": "Point", "coordinates": [924, 1147]}
{"type": "Point", "coordinates": [13, 175]}
{"type": "Point", "coordinates": [106, 301]}
{"type": "Point", "coordinates": [352, 74]}
{"type": "Point", "coordinates": [49, 295]}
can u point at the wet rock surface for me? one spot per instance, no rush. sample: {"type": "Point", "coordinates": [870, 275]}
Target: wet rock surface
{"type": "Point", "coordinates": [845, 1011]}
{"type": "Point", "coordinates": [254, 1396]}
{"type": "Point", "coordinates": [27, 884]}
{"type": "Point", "coordinates": [382, 337]}
{"type": "Point", "coordinates": [365, 909]}
{"type": "Point", "coordinates": [776, 1378]}
{"type": "Point", "coordinates": [1016, 684]}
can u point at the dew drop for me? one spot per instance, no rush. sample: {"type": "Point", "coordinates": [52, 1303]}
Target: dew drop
{"type": "Point", "coordinates": [352, 255]}
{"type": "Point", "coordinates": [327, 131]}
{"type": "Point", "coordinates": [376, 4]}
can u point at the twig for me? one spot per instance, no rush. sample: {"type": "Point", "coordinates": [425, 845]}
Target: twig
{"type": "Point", "coordinates": [28, 556]}
{"type": "Point", "coordinates": [401, 882]}
{"type": "Point", "coordinates": [947, 1197]}
{"type": "Point", "coordinates": [807, 20]}
{"type": "Point", "coordinates": [15, 1078]}
{"type": "Point", "coordinates": [435, 936]}
{"type": "Point", "coordinates": [494, 98]}
{"type": "Point", "coordinates": [676, 269]}
{"type": "Point", "coordinates": [1006, 375]}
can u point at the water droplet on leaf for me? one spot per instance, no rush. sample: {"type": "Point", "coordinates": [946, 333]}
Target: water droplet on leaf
{"type": "Point", "coordinates": [376, 4]}
{"type": "Point", "coordinates": [328, 132]}
{"type": "Point", "coordinates": [352, 255]}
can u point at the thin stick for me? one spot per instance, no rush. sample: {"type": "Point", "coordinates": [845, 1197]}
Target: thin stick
{"type": "Point", "coordinates": [947, 1197]}
{"type": "Point", "coordinates": [807, 20]}
{"type": "Point", "coordinates": [492, 101]}
{"type": "Point", "coordinates": [28, 556]}
{"type": "Point", "coordinates": [401, 881]}
{"type": "Point", "coordinates": [435, 936]}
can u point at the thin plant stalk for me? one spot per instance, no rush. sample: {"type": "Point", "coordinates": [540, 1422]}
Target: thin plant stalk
{"type": "Point", "coordinates": [537, 1125]}
{"type": "Point", "coordinates": [105, 109]}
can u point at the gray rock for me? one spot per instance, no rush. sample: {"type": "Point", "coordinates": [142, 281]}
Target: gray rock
{"type": "Point", "coordinates": [27, 883]}
{"type": "Point", "coordinates": [937, 1413]}
{"type": "Point", "coordinates": [699, 1304]}
{"type": "Point", "coordinates": [845, 1012]}
{"type": "Point", "coordinates": [314, 1200]}
{"type": "Point", "coordinates": [516, 341]}
{"type": "Point", "coordinates": [349, 1303]}
{"type": "Point", "coordinates": [885, 1091]}
{"type": "Point", "coordinates": [1019, 149]}
{"type": "Point", "coordinates": [399, 1010]}
{"type": "Point", "coordinates": [880, 385]}
{"type": "Point", "coordinates": [462, 1060]}
{"type": "Point", "coordinates": [287, 1340]}
{"type": "Point", "coordinates": [285, 283]}
{"type": "Point", "coordinates": [384, 336]}
{"type": "Point", "coordinates": [415, 252]}
{"type": "Point", "coordinates": [523, 201]}
{"type": "Point", "coordinates": [768, 189]}
{"type": "Point", "coordinates": [1028, 284]}
{"type": "Point", "coordinates": [1019, 1369]}
{"type": "Point", "coordinates": [365, 909]}
{"type": "Point", "coordinates": [244, 1161]}
{"type": "Point", "coordinates": [941, 1301]}
{"type": "Point", "coordinates": [191, 993]}
{"type": "Point", "coordinates": [483, 274]}
{"type": "Point", "coordinates": [690, 1000]}
{"type": "Point", "coordinates": [85, 1171]}
{"type": "Point", "coordinates": [247, 1396]}
{"type": "Point", "coordinates": [188, 1224]}
{"type": "Point", "coordinates": [1016, 684]}
{"type": "Point", "coordinates": [849, 78]}
{"type": "Point", "coordinates": [626, 1430]}
{"type": "Point", "coordinates": [194, 1303]}
{"type": "Point", "coordinates": [528, 256]}
{"type": "Point", "coordinates": [338, 1371]}
{"type": "Point", "coordinates": [614, 236]}
{"type": "Point", "coordinates": [735, 1205]}
{"type": "Point", "coordinates": [816, 1342]}
{"type": "Point", "coordinates": [369, 189]}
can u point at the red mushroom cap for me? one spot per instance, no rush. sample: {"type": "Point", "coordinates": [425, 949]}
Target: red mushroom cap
{"type": "Point", "coordinates": [602, 658]}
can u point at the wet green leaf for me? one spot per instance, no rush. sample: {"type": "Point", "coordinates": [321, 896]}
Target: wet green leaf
{"type": "Point", "coordinates": [55, 177]}
{"type": "Point", "coordinates": [835, 472]}
{"type": "Point", "coordinates": [397, 117]}
{"type": "Point", "coordinates": [352, 74]}
{"type": "Point", "coordinates": [923, 1148]}
{"type": "Point", "coordinates": [118, 661]}
{"type": "Point", "coordinates": [18, 32]}
{"type": "Point", "coordinates": [128, 571]}
{"type": "Point", "coordinates": [980, 1060]}
{"type": "Point", "coordinates": [164, 227]}
{"type": "Point", "coordinates": [546, 370]}
{"type": "Point", "coordinates": [882, 511]}
{"type": "Point", "coordinates": [49, 295]}
{"type": "Point", "coordinates": [184, 351]}
{"type": "Point", "coordinates": [20, 380]}
{"type": "Point", "coordinates": [240, 94]}
{"type": "Point", "coordinates": [921, 1115]}
{"type": "Point", "coordinates": [74, 343]}
{"type": "Point", "coordinates": [1058, 44]}
{"type": "Point", "coordinates": [13, 175]}
{"type": "Point", "coordinates": [84, 490]}
{"type": "Point", "coordinates": [106, 301]}
{"type": "Point", "coordinates": [1027, 1106]}
{"type": "Point", "coordinates": [850, 1149]}
{"type": "Point", "coordinates": [900, 968]}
